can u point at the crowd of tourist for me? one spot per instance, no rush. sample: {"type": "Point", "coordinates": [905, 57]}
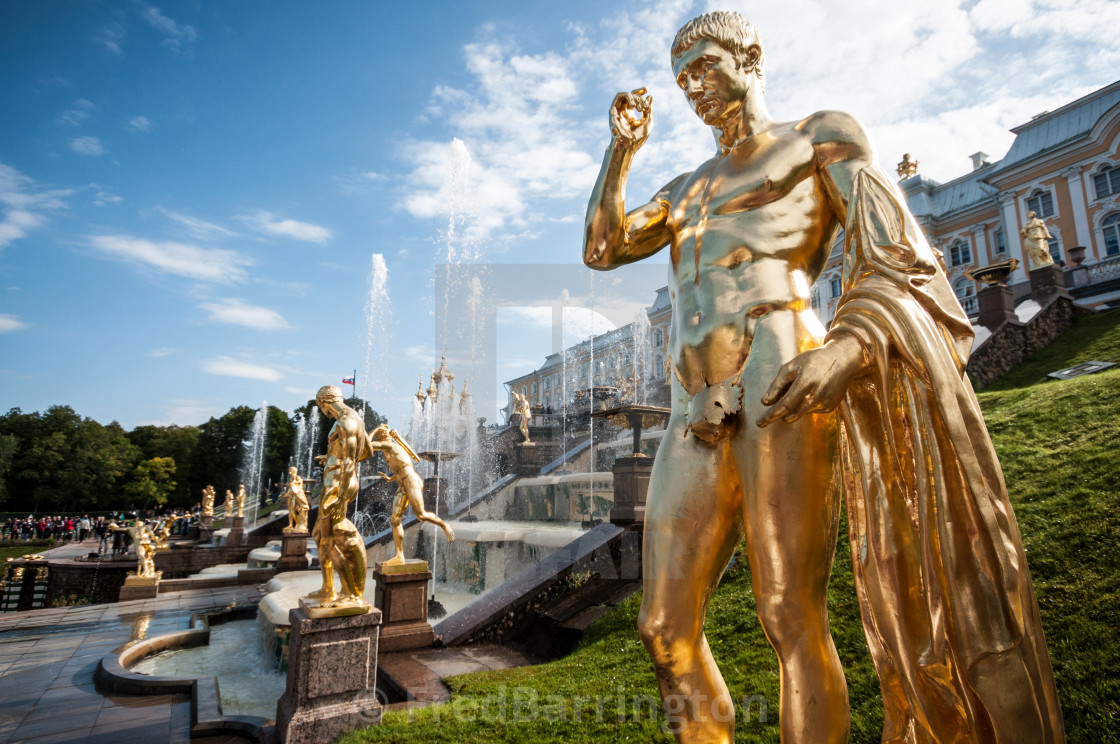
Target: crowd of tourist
{"type": "Point", "coordinates": [80, 528]}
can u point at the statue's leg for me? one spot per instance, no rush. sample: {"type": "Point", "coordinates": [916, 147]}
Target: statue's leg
{"type": "Point", "coordinates": [324, 543]}
{"type": "Point", "coordinates": [791, 511]}
{"type": "Point", "coordinates": [416, 499]}
{"type": "Point", "coordinates": [692, 526]}
{"type": "Point", "coordinates": [400, 504]}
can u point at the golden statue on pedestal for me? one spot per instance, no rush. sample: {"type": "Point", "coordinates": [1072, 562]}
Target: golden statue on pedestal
{"type": "Point", "coordinates": [340, 545]}
{"type": "Point", "coordinates": [948, 607]}
{"type": "Point", "coordinates": [143, 539]}
{"type": "Point", "coordinates": [208, 501]}
{"type": "Point", "coordinates": [522, 407]}
{"type": "Point", "coordinates": [241, 500]}
{"type": "Point", "coordinates": [229, 505]}
{"type": "Point", "coordinates": [297, 503]}
{"type": "Point", "coordinates": [410, 488]}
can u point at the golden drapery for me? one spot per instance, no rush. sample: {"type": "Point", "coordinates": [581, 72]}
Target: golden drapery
{"type": "Point", "coordinates": [947, 603]}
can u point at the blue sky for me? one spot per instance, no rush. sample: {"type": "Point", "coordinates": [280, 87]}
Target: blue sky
{"type": "Point", "coordinates": [191, 193]}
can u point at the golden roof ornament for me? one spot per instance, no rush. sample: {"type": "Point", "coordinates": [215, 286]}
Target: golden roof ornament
{"type": "Point", "coordinates": [907, 167]}
{"type": "Point", "coordinates": [420, 396]}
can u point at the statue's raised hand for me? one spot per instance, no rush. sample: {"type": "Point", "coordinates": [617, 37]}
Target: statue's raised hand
{"type": "Point", "coordinates": [630, 117]}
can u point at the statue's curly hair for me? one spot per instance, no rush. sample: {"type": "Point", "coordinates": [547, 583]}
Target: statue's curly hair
{"type": "Point", "coordinates": [730, 30]}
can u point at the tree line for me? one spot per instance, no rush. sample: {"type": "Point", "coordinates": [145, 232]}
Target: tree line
{"type": "Point", "coordinates": [58, 462]}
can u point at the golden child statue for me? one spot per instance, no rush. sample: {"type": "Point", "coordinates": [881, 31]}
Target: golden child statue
{"type": "Point", "coordinates": [410, 489]}
{"type": "Point", "coordinates": [297, 503]}
{"type": "Point", "coordinates": [948, 607]}
{"type": "Point", "coordinates": [340, 545]}
{"type": "Point", "coordinates": [241, 500]}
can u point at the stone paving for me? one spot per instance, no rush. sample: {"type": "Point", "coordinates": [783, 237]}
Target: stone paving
{"type": "Point", "coordinates": [48, 658]}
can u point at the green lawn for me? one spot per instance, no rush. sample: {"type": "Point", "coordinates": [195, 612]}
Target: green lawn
{"type": "Point", "coordinates": [1058, 442]}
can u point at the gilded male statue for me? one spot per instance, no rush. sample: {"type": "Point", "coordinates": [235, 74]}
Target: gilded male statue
{"type": "Point", "coordinates": [410, 489]}
{"type": "Point", "coordinates": [229, 504]}
{"type": "Point", "coordinates": [297, 503]}
{"type": "Point", "coordinates": [241, 500]}
{"type": "Point", "coordinates": [143, 539]}
{"type": "Point", "coordinates": [522, 407]}
{"type": "Point", "coordinates": [208, 501]}
{"type": "Point", "coordinates": [1036, 239]}
{"type": "Point", "coordinates": [754, 444]}
{"type": "Point", "coordinates": [339, 542]}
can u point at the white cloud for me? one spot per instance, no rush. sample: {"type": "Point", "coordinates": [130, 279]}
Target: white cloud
{"type": "Point", "coordinates": [78, 112]}
{"type": "Point", "coordinates": [9, 323]}
{"type": "Point", "coordinates": [23, 202]}
{"type": "Point", "coordinates": [90, 146]}
{"type": "Point", "coordinates": [140, 124]}
{"type": "Point", "coordinates": [238, 312]}
{"type": "Point", "coordinates": [185, 413]}
{"type": "Point", "coordinates": [309, 392]}
{"type": "Point", "coordinates": [176, 35]}
{"type": "Point", "coordinates": [110, 36]}
{"type": "Point", "coordinates": [104, 197]}
{"type": "Point", "coordinates": [180, 259]}
{"type": "Point", "coordinates": [230, 367]}
{"type": "Point", "coordinates": [270, 224]}
{"type": "Point", "coordinates": [162, 352]}
{"type": "Point", "coordinates": [199, 229]}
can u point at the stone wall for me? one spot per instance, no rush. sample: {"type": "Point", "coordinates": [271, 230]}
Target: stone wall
{"type": "Point", "coordinates": [1011, 343]}
{"type": "Point", "coordinates": [181, 562]}
{"type": "Point", "coordinates": [78, 582]}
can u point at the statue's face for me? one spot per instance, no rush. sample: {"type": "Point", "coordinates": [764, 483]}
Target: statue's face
{"type": "Point", "coordinates": [712, 80]}
{"type": "Point", "coordinates": [329, 406]}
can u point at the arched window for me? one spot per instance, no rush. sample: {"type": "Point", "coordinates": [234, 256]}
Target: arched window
{"type": "Point", "coordinates": [1001, 244]}
{"type": "Point", "coordinates": [1107, 182]}
{"type": "Point", "coordinates": [658, 366]}
{"type": "Point", "coordinates": [960, 253]}
{"type": "Point", "coordinates": [1041, 202]}
{"type": "Point", "coordinates": [964, 288]}
{"type": "Point", "coordinates": [534, 388]}
{"type": "Point", "coordinates": [1110, 229]}
{"type": "Point", "coordinates": [835, 289]}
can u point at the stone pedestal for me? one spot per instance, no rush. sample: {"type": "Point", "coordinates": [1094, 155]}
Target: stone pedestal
{"type": "Point", "coordinates": [236, 531]}
{"type": "Point", "coordinates": [997, 305]}
{"type": "Point", "coordinates": [1047, 282]}
{"type": "Point", "coordinates": [528, 460]}
{"type": "Point", "coordinates": [402, 597]}
{"type": "Point", "coordinates": [140, 587]}
{"type": "Point", "coordinates": [432, 487]}
{"type": "Point", "coordinates": [293, 552]}
{"type": "Point", "coordinates": [332, 677]}
{"type": "Point", "coordinates": [206, 528]}
{"type": "Point", "coordinates": [631, 484]}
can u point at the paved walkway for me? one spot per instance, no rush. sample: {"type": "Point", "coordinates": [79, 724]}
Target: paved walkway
{"type": "Point", "coordinates": [47, 661]}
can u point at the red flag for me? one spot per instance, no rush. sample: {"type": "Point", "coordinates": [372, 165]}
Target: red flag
{"type": "Point", "coordinates": [348, 381]}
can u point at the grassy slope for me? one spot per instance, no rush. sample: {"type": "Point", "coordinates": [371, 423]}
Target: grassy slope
{"type": "Point", "coordinates": [1057, 442]}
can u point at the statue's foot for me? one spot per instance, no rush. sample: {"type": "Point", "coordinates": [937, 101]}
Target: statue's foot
{"type": "Point", "coordinates": [396, 560]}
{"type": "Point", "coordinates": [346, 601]}
{"type": "Point", "coordinates": [323, 595]}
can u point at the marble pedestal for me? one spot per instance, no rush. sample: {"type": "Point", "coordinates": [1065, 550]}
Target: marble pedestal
{"type": "Point", "coordinates": [631, 484]}
{"type": "Point", "coordinates": [996, 305]}
{"type": "Point", "coordinates": [528, 460]}
{"type": "Point", "coordinates": [402, 597]}
{"type": "Point", "coordinates": [236, 531]}
{"type": "Point", "coordinates": [293, 552]}
{"type": "Point", "coordinates": [140, 587]}
{"type": "Point", "coordinates": [206, 528]}
{"type": "Point", "coordinates": [332, 678]}
{"type": "Point", "coordinates": [1048, 281]}
{"type": "Point", "coordinates": [433, 488]}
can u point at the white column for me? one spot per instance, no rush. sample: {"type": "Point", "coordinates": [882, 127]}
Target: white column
{"type": "Point", "coordinates": [1080, 214]}
{"type": "Point", "coordinates": [1010, 218]}
{"type": "Point", "coordinates": [980, 254]}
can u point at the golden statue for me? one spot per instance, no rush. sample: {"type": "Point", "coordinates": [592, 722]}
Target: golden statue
{"type": "Point", "coordinates": [340, 545]}
{"type": "Point", "coordinates": [522, 407]}
{"type": "Point", "coordinates": [297, 503]}
{"type": "Point", "coordinates": [143, 540]}
{"type": "Point", "coordinates": [1036, 239]}
{"type": "Point", "coordinates": [948, 607]}
{"type": "Point", "coordinates": [208, 501]}
{"type": "Point", "coordinates": [241, 500]}
{"type": "Point", "coordinates": [410, 488]}
{"type": "Point", "coordinates": [907, 167]}
{"type": "Point", "coordinates": [162, 533]}
{"type": "Point", "coordinates": [229, 503]}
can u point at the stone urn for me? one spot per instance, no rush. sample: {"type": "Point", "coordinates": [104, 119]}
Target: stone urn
{"type": "Point", "coordinates": [1076, 256]}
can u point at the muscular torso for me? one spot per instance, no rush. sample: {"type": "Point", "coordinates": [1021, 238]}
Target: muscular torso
{"type": "Point", "coordinates": [750, 232]}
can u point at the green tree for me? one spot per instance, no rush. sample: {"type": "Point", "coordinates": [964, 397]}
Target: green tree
{"type": "Point", "coordinates": [179, 443]}
{"type": "Point", "coordinates": [151, 482]}
{"type": "Point", "coordinates": [8, 445]}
